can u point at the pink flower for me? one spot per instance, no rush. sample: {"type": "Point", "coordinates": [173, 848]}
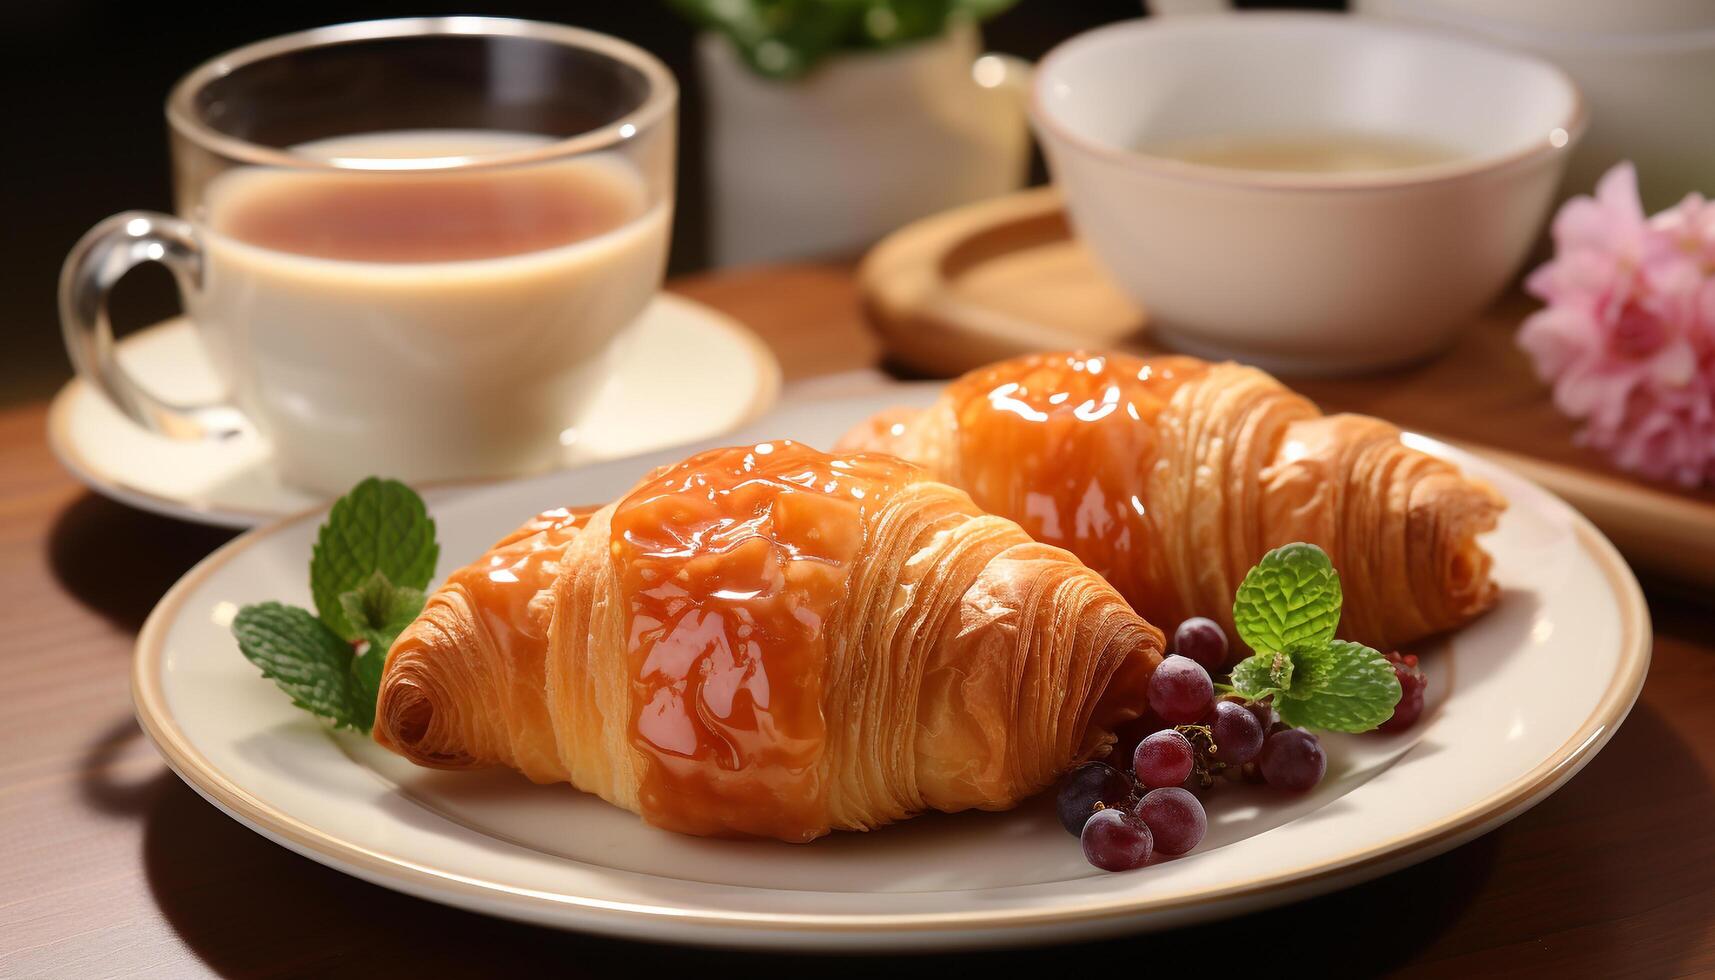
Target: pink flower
{"type": "Point", "coordinates": [1627, 335]}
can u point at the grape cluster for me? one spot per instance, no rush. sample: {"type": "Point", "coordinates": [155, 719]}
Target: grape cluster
{"type": "Point", "coordinates": [1411, 686]}
{"type": "Point", "coordinates": [1184, 741]}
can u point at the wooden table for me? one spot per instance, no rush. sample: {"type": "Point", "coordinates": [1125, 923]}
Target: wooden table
{"type": "Point", "coordinates": [110, 865]}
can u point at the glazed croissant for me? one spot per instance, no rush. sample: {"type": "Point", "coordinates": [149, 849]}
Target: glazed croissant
{"type": "Point", "coordinates": [772, 641]}
{"type": "Point", "coordinates": [1172, 476]}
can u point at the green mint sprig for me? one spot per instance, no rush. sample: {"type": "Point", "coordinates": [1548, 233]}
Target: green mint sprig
{"type": "Point", "coordinates": [372, 560]}
{"type": "Point", "coordinates": [380, 526]}
{"type": "Point", "coordinates": [1286, 610]}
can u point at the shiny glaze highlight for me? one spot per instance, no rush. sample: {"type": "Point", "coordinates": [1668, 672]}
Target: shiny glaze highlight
{"type": "Point", "coordinates": [732, 565]}
{"type": "Point", "coordinates": [503, 582]}
{"type": "Point", "coordinates": [1037, 441]}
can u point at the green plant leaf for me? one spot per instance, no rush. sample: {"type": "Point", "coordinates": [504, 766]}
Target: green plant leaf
{"type": "Point", "coordinates": [786, 39]}
{"type": "Point", "coordinates": [983, 9]}
{"type": "Point", "coordinates": [1258, 676]}
{"type": "Point", "coordinates": [304, 658]}
{"type": "Point", "coordinates": [886, 23]}
{"type": "Point", "coordinates": [366, 684]}
{"type": "Point", "coordinates": [381, 525]}
{"type": "Point", "coordinates": [1291, 597]}
{"type": "Point", "coordinates": [379, 611]}
{"type": "Point", "coordinates": [380, 608]}
{"type": "Point", "coordinates": [1340, 686]}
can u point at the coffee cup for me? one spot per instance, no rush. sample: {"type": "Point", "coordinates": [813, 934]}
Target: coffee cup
{"type": "Point", "coordinates": [408, 246]}
{"type": "Point", "coordinates": [1311, 193]}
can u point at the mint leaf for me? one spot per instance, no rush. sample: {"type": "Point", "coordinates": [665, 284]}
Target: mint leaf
{"type": "Point", "coordinates": [379, 611]}
{"type": "Point", "coordinates": [1258, 676]}
{"type": "Point", "coordinates": [381, 525]}
{"type": "Point", "coordinates": [1291, 597]}
{"type": "Point", "coordinates": [366, 684]}
{"type": "Point", "coordinates": [1341, 687]}
{"type": "Point", "coordinates": [372, 559]}
{"type": "Point", "coordinates": [306, 659]}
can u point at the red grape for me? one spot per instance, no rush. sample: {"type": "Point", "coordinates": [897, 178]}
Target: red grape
{"type": "Point", "coordinates": [1116, 840]}
{"type": "Point", "coordinates": [1132, 732]}
{"type": "Point", "coordinates": [1292, 760]}
{"type": "Point", "coordinates": [1202, 639]}
{"type": "Point", "coordinates": [1412, 684]}
{"type": "Point", "coordinates": [1086, 786]}
{"type": "Point", "coordinates": [1163, 759]}
{"type": "Point", "coordinates": [1236, 734]}
{"type": "Point", "coordinates": [1264, 712]}
{"type": "Point", "coordinates": [1174, 817]}
{"type": "Point", "coordinates": [1180, 690]}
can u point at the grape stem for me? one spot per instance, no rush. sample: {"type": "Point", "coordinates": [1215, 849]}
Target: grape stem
{"type": "Point", "coordinates": [1203, 764]}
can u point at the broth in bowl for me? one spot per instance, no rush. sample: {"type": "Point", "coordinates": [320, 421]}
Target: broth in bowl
{"type": "Point", "coordinates": [1307, 152]}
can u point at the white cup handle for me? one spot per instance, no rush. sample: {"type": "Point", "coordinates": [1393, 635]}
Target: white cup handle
{"type": "Point", "coordinates": [98, 261]}
{"type": "Point", "coordinates": [1180, 8]}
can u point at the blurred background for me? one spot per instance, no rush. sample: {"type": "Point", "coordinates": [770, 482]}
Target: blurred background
{"type": "Point", "coordinates": [86, 137]}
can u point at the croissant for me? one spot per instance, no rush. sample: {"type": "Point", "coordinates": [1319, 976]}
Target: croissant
{"type": "Point", "coordinates": [1172, 476]}
{"type": "Point", "coordinates": [775, 642]}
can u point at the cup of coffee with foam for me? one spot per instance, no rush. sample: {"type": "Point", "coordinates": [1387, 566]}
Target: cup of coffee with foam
{"type": "Point", "coordinates": [408, 245]}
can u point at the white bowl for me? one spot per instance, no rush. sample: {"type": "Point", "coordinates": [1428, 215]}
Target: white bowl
{"type": "Point", "coordinates": [1304, 272]}
{"type": "Point", "coordinates": [1646, 70]}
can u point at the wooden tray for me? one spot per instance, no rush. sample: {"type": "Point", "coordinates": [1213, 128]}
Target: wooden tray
{"type": "Point", "coordinates": [1005, 276]}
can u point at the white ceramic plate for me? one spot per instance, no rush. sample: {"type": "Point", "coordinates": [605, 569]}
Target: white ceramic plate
{"type": "Point", "coordinates": [684, 372]}
{"type": "Point", "coordinates": [1519, 702]}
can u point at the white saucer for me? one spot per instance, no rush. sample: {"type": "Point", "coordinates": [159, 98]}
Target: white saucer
{"type": "Point", "coordinates": [686, 372]}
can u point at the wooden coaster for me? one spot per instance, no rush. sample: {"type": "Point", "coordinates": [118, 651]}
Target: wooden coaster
{"type": "Point", "coordinates": [1005, 276]}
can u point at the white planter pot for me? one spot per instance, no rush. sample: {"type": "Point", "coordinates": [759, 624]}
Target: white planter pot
{"type": "Point", "coordinates": [865, 143]}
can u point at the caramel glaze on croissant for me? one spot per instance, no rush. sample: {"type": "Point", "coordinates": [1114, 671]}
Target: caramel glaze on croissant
{"type": "Point", "coordinates": [772, 641]}
{"type": "Point", "coordinates": [1172, 476]}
